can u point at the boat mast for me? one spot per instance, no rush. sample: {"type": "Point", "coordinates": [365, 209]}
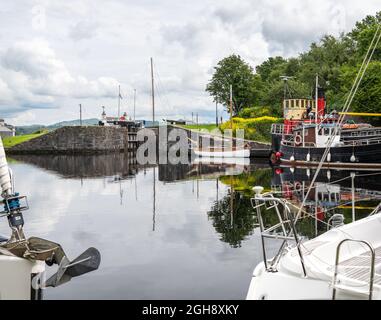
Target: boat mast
{"type": "Point", "coordinates": [134, 102]}
{"type": "Point", "coordinates": [119, 103]}
{"type": "Point", "coordinates": [231, 107]}
{"type": "Point", "coordinates": [153, 94]}
{"type": "Point", "coordinates": [216, 114]}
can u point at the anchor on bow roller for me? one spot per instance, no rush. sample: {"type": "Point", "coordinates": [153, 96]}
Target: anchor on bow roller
{"type": "Point", "coordinates": [23, 260]}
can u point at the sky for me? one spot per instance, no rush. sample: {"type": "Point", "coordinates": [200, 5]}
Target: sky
{"type": "Point", "coordinates": [55, 55]}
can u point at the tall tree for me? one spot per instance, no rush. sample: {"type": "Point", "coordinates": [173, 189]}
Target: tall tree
{"type": "Point", "coordinates": [234, 71]}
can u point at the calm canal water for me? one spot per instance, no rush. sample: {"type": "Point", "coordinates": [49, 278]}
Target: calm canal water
{"type": "Point", "coordinates": [164, 232]}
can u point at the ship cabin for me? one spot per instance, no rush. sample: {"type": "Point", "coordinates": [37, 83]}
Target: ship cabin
{"type": "Point", "coordinates": [306, 135]}
{"type": "Point", "coordinates": [298, 109]}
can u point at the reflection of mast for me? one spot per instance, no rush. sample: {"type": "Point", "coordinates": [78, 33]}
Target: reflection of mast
{"type": "Point", "coordinates": [353, 196]}
{"type": "Point", "coordinates": [231, 202]}
{"type": "Point", "coordinates": [217, 190]}
{"type": "Point", "coordinates": [120, 191]}
{"type": "Point", "coordinates": [154, 200]}
{"type": "Point", "coordinates": [136, 189]}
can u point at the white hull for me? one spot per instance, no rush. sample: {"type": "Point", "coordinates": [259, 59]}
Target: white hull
{"type": "Point", "coordinates": [16, 277]}
{"type": "Point", "coordinates": [216, 160]}
{"type": "Point", "coordinates": [289, 283]}
{"type": "Point", "coordinates": [242, 153]}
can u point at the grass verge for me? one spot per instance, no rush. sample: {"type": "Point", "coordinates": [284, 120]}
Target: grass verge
{"type": "Point", "coordinates": [10, 142]}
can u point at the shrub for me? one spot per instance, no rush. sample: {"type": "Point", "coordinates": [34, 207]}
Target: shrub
{"type": "Point", "coordinates": [255, 112]}
{"type": "Point", "coordinates": [257, 129]}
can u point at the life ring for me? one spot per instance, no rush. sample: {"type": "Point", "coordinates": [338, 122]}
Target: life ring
{"type": "Point", "coordinates": [298, 140]}
{"type": "Point", "coordinates": [273, 159]}
{"type": "Point", "coordinates": [297, 186]}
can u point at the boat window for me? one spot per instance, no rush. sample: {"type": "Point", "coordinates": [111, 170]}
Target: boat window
{"type": "Point", "coordinates": [327, 131]}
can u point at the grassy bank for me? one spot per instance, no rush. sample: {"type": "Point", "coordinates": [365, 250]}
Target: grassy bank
{"type": "Point", "coordinates": [257, 129]}
{"type": "Point", "coordinates": [208, 127]}
{"type": "Point", "coordinates": [10, 142]}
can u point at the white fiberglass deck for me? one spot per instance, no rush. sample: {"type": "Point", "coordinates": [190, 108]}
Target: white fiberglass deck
{"type": "Point", "coordinates": [358, 267]}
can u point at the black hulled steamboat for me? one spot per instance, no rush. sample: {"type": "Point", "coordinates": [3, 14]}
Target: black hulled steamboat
{"type": "Point", "coordinates": [306, 132]}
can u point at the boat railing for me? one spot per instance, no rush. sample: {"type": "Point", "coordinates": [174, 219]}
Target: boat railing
{"type": "Point", "coordinates": [363, 142]}
{"type": "Point", "coordinates": [361, 133]}
{"type": "Point", "coordinates": [286, 225]}
{"type": "Point", "coordinates": [291, 143]}
{"type": "Point", "coordinates": [281, 129]}
{"type": "Point", "coordinates": [354, 271]}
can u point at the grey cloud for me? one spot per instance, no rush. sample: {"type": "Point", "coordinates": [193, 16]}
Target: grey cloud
{"type": "Point", "coordinates": [83, 30]}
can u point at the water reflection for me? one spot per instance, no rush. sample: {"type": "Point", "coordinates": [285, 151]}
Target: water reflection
{"type": "Point", "coordinates": [79, 166]}
{"type": "Point", "coordinates": [352, 194]}
{"type": "Point", "coordinates": [232, 217]}
{"type": "Point", "coordinates": [171, 232]}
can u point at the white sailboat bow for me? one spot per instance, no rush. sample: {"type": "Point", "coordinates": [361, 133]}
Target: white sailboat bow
{"type": "Point", "coordinates": [343, 263]}
{"type": "Point", "coordinates": [23, 260]}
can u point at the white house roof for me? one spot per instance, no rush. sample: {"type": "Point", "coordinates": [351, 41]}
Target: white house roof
{"type": "Point", "coordinates": [5, 129]}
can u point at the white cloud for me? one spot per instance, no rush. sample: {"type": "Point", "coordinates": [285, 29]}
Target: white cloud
{"type": "Point", "coordinates": [34, 77]}
{"type": "Point", "coordinates": [85, 48]}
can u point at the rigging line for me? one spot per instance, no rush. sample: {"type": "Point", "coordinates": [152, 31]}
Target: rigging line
{"type": "Point", "coordinates": [163, 97]}
{"type": "Point", "coordinates": [368, 174]}
{"type": "Point", "coordinates": [162, 90]}
{"type": "Point", "coordinates": [159, 94]}
{"type": "Point", "coordinates": [162, 87]}
{"type": "Point", "coordinates": [348, 102]}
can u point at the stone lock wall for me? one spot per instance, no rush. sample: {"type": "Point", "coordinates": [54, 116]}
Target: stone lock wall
{"type": "Point", "coordinates": [78, 140]}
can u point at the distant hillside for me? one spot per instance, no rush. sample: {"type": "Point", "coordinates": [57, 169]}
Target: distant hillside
{"type": "Point", "coordinates": [21, 130]}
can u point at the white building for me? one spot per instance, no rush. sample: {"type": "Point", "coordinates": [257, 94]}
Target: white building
{"type": "Point", "coordinates": [6, 130]}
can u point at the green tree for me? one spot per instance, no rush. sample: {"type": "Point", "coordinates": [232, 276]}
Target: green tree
{"type": "Point", "coordinates": [247, 87]}
{"type": "Point", "coordinates": [363, 34]}
{"type": "Point", "coordinates": [368, 96]}
{"type": "Point", "coordinates": [272, 69]}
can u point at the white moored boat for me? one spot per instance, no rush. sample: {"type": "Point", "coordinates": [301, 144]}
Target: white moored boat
{"type": "Point", "coordinates": [222, 153]}
{"type": "Point", "coordinates": [343, 263]}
